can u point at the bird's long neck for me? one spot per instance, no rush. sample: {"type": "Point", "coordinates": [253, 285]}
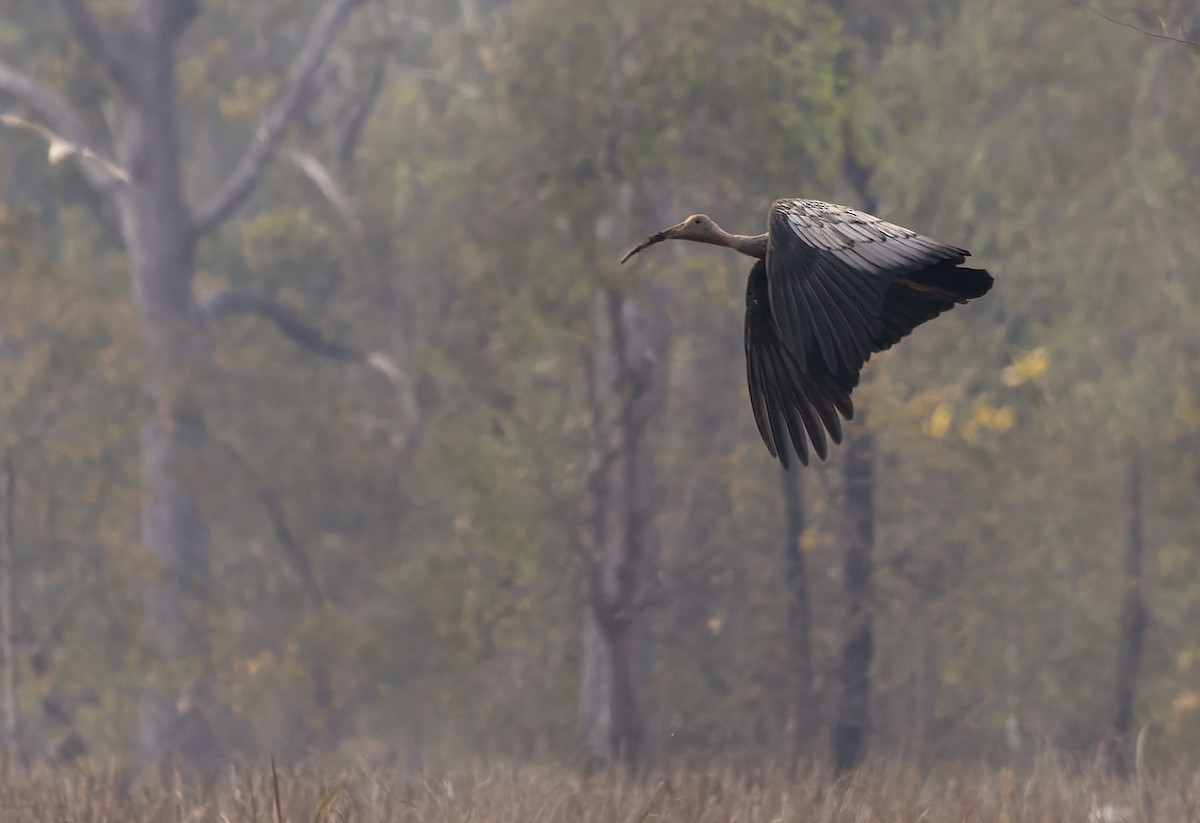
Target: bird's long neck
{"type": "Point", "coordinates": [750, 245]}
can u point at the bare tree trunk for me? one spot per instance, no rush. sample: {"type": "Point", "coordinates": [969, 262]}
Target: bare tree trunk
{"type": "Point", "coordinates": [802, 718]}
{"type": "Point", "coordinates": [8, 631]}
{"type": "Point", "coordinates": [853, 721]}
{"type": "Point", "coordinates": [595, 702]}
{"type": "Point", "coordinates": [625, 383]}
{"type": "Point", "coordinates": [159, 231]}
{"type": "Point", "coordinates": [1132, 627]}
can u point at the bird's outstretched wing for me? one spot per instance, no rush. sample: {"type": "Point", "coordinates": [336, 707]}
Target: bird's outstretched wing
{"type": "Point", "coordinates": [788, 398]}
{"type": "Point", "coordinates": [831, 272]}
{"type": "Point", "coordinates": [840, 285]}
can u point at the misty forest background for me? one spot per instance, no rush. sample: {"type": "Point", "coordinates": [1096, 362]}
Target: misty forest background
{"type": "Point", "coordinates": [333, 426]}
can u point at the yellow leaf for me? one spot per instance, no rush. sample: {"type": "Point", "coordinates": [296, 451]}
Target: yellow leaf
{"type": "Point", "coordinates": [258, 663]}
{"type": "Point", "coordinates": [812, 539]}
{"type": "Point", "coordinates": [1027, 367]}
{"type": "Point", "coordinates": [992, 418]}
{"type": "Point", "coordinates": [1187, 410]}
{"type": "Point", "coordinates": [715, 624]}
{"type": "Point", "coordinates": [1003, 419]}
{"type": "Point", "coordinates": [1185, 702]}
{"type": "Point", "coordinates": [939, 422]}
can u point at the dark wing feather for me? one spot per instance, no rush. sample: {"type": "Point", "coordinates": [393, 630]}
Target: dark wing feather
{"type": "Point", "coordinates": [833, 275]}
{"type": "Point", "coordinates": [923, 295]}
{"type": "Point", "coordinates": [793, 404]}
{"type": "Point", "coordinates": [837, 285]}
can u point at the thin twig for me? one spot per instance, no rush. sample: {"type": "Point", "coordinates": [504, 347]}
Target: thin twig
{"type": "Point", "coordinates": [327, 184]}
{"type": "Point", "coordinates": [1146, 32]}
{"type": "Point", "coordinates": [65, 121]}
{"type": "Point", "coordinates": [60, 148]}
{"type": "Point", "coordinates": [351, 130]}
{"type": "Point", "coordinates": [229, 302]}
{"type": "Point", "coordinates": [296, 556]}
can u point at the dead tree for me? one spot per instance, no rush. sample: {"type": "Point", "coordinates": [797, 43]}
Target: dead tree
{"type": "Point", "coordinates": [140, 172]}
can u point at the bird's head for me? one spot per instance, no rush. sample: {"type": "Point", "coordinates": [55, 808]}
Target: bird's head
{"type": "Point", "coordinates": [698, 227]}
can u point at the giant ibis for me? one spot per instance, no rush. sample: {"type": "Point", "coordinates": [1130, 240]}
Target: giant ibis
{"type": "Point", "coordinates": [831, 286]}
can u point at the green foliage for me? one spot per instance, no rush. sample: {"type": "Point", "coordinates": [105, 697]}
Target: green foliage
{"type": "Point", "coordinates": [425, 590]}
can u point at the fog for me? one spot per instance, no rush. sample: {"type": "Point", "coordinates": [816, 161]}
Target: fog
{"type": "Point", "coordinates": [333, 428]}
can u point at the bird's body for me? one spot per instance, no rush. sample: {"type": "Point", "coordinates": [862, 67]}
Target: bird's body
{"type": "Point", "coordinates": [832, 286]}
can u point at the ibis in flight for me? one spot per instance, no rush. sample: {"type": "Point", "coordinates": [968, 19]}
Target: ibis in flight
{"type": "Point", "coordinates": [831, 286]}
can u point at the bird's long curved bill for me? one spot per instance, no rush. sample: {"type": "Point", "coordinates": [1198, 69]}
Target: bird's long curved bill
{"type": "Point", "coordinates": [649, 241]}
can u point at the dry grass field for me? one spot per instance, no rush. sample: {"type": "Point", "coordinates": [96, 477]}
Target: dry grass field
{"type": "Point", "coordinates": [543, 795]}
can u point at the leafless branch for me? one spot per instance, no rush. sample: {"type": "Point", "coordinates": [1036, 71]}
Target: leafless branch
{"type": "Point", "coordinates": [58, 113]}
{"type": "Point", "coordinates": [249, 170]}
{"type": "Point", "coordinates": [1147, 32]}
{"type": "Point", "coordinates": [323, 179]}
{"type": "Point", "coordinates": [351, 131]}
{"type": "Point", "coordinates": [436, 76]}
{"type": "Point", "coordinates": [95, 41]}
{"type": "Point", "coordinates": [228, 302]}
{"type": "Point", "coordinates": [296, 555]}
{"type": "Point", "coordinates": [62, 149]}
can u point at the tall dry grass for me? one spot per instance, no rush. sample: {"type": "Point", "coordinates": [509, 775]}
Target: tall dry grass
{"type": "Point", "coordinates": [526, 794]}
